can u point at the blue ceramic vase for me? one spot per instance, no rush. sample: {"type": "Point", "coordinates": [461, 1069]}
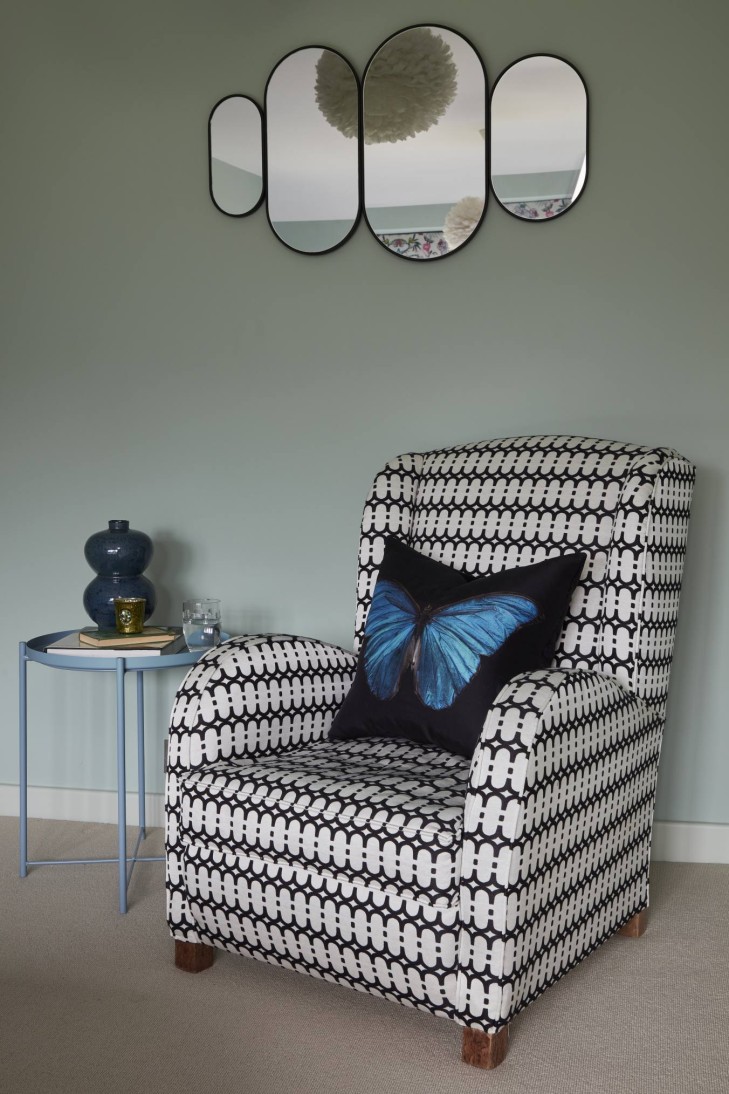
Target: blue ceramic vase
{"type": "Point", "coordinates": [118, 555]}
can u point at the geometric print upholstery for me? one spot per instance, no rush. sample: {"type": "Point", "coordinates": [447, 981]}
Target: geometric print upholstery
{"type": "Point", "coordinates": [399, 949]}
{"type": "Point", "coordinates": [494, 505]}
{"type": "Point", "coordinates": [557, 834]}
{"type": "Point", "coordinates": [463, 888]}
{"type": "Point", "coordinates": [387, 814]}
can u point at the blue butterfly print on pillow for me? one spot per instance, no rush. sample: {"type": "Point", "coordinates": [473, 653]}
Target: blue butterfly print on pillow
{"type": "Point", "coordinates": [444, 645]}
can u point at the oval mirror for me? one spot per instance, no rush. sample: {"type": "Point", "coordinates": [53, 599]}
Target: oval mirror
{"type": "Point", "coordinates": [425, 148]}
{"type": "Point", "coordinates": [235, 146]}
{"type": "Point", "coordinates": [312, 150]}
{"type": "Point", "coordinates": [538, 137]}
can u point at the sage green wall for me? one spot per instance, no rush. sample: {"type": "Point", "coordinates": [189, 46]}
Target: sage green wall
{"type": "Point", "coordinates": [166, 364]}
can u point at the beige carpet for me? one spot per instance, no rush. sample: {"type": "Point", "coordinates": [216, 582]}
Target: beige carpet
{"type": "Point", "coordinates": [90, 1001]}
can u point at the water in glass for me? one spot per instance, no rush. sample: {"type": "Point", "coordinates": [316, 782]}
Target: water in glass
{"type": "Point", "coordinates": [201, 624]}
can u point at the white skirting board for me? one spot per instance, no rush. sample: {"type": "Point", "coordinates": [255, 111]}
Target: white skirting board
{"type": "Point", "coordinates": [672, 841]}
{"type": "Point", "coordinates": [57, 803]}
{"type": "Point", "coordinates": [676, 842]}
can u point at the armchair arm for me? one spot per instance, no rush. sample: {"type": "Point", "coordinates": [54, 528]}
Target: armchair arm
{"type": "Point", "coordinates": [258, 693]}
{"type": "Point", "coordinates": [557, 828]}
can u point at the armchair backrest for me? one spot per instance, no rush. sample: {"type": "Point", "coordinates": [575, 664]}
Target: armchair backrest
{"type": "Point", "coordinates": [493, 505]}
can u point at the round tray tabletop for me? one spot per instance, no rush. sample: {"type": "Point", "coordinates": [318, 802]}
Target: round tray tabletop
{"type": "Point", "coordinates": [35, 650]}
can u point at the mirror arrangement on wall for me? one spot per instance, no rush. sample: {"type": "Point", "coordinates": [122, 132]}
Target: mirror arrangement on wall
{"type": "Point", "coordinates": [410, 147]}
{"type": "Point", "coordinates": [235, 147]}
{"type": "Point", "coordinates": [424, 128]}
{"type": "Point", "coordinates": [312, 193]}
{"type": "Point", "coordinates": [538, 137]}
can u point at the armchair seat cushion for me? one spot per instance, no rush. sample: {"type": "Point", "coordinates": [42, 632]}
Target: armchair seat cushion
{"type": "Point", "coordinates": [385, 814]}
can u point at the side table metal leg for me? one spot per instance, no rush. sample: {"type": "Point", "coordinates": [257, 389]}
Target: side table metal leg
{"type": "Point", "coordinates": [23, 731]}
{"type": "Point", "coordinates": [121, 785]}
{"type": "Point", "coordinates": [140, 754]}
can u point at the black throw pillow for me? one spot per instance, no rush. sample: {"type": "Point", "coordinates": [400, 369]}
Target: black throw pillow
{"type": "Point", "coordinates": [439, 646]}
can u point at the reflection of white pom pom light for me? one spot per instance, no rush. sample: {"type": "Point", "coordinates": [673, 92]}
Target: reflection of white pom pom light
{"type": "Point", "coordinates": [409, 85]}
{"type": "Point", "coordinates": [336, 93]}
{"type": "Point", "coordinates": [461, 221]}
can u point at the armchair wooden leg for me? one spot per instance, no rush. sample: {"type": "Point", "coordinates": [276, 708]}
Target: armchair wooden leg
{"type": "Point", "coordinates": [193, 956]}
{"type": "Point", "coordinates": [486, 1050]}
{"type": "Point", "coordinates": [636, 926]}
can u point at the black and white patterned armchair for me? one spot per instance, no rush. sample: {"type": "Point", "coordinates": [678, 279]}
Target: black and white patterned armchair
{"type": "Point", "coordinates": [460, 887]}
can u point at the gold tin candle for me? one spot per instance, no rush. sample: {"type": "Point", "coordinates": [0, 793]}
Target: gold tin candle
{"type": "Point", "coordinates": [129, 611]}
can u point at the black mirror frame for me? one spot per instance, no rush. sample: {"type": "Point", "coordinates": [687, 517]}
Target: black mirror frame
{"type": "Point", "coordinates": [487, 143]}
{"type": "Point", "coordinates": [360, 188]}
{"type": "Point", "coordinates": [543, 220]}
{"type": "Point", "coordinates": [236, 216]}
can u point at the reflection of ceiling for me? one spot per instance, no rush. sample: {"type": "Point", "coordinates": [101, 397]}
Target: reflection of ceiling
{"type": "Point", "coordinates": [439, 166]}
{"type": "Point", "coordinates": [235, 133]}
{"type": "Point", "coordinates": [311, 165]}
{"type": "Point", "coordinates": [538, 119]}
{"type": "Point", "coordinates": [445, 163]}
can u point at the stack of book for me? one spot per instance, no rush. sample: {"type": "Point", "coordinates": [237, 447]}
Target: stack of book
{"type": "Point", "coordinates": [95, 642]}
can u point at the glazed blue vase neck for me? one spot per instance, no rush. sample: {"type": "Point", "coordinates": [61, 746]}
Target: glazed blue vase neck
{"type": "Point", "coordinates": [119, 555]}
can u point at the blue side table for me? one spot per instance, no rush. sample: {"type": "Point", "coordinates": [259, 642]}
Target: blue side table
{"type": "Point", "coordinates": [35, 650]}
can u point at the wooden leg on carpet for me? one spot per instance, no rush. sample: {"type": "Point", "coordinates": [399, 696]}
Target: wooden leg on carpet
{"type": "Point", "coordinates": [486, 1050]}
{"type": "Point", "coordinates": [193, 956]}
{"type": "Point", "coordinates": [636, 926]}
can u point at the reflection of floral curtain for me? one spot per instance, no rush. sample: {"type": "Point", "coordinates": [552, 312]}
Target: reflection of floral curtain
{"type": "Point", "coordinates": [537, 210]}
{"type": "Point", "coordinates": [415, 244]}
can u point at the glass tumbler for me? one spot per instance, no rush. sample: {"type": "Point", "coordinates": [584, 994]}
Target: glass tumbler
{"type": "Point", "coordinates": [201, 624]}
